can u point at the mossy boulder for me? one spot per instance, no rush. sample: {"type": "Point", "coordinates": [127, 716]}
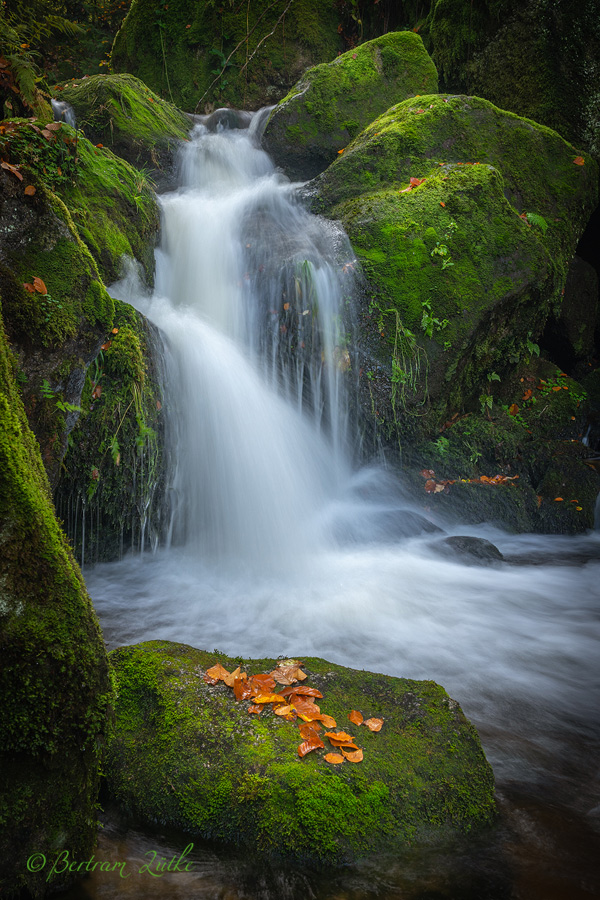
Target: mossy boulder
{"type": "Point", "coordinates": [110, 493]}
{"type": "Point", "coordinates": [463, 265]}
{"type": "Point", "coordinates": [84, 214]}
{"type": "Point", "coordinates": [188, 755]}
{"type": "Point", "coordinates": [55, 687]}
{"type": "Point", "coordinates": [335, 101]}
{"type": "Point", "coordinates": [122, 113]}
{"type": "Point", "coordinates": [202, 55]}
{"type": "Point", "coordinates": [538, 58]}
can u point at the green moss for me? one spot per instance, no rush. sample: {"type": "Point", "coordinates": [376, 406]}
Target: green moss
{"type": "Point", "coordinates": [113, 471]}
{"type": "Point", "coordinates": [187, 754]}
{"type": "Point", "coordinates": [54, 677]}
{"type": "Point", "coordinates": [121, 112]}
{"type": "Point", "coordinates": [334, 101]}
{"type": "Point", "coordinates": [184, 64]}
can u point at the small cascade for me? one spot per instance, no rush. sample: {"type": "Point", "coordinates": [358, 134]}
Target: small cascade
{"type": "Point", "coordinates": [63, 112]}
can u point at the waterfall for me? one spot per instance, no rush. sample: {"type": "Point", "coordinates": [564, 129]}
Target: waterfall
{"type": "Point", "coordinates": [251, 295]}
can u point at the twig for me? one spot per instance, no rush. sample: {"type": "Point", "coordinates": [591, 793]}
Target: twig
{"type": "Point", "coordinates": [271, 33]}
{"type": "Point", "coordinates": [235, 49]}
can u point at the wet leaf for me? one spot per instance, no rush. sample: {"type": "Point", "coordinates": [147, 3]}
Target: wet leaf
{"type": "Point", "coordinates": [513, 409]}
{"type": "Point", "coordinates": [313, 743]}
{"type": "Point", "coordinates": [579, 161]}
{"type": "Point", "coordinates": [286, 306]}
{"type": "Point", "coordinates": [268, 698]}
{"type": "Point", "coordinates": [106, 346]}
{"type": "Point", "coordinates": [373, 724]}
{"type": "Point", "coordinates": [14, 170]}
{"type": "Point", "coordinates": [558, 499]}
{"type": "Point", "coordinates": [415, 182]}
{"type": "Point", "coordinates": [328, 721]}
{"type": "Point", "coordinates": [356, 717]}
{"type": "Point", "coordinates": [241, 689]}
{"type": "Point", "coordinates": [39, 286]}
{"type": "Point", "coordinates": [300, 689]}
{"type": "Point", "coordinates": [229, 679]}
{"type": "Point", "coordinates": [340, 737]}
{"type": "Point", "coordinates": [334, 758]}
{"type": "Point", "coordinates": [30, 190]}
{"type": "Point", "coordinates": [430, 486]}
{"type": "Point", "coordinates": [309, 729]}
{"type": "Point", "coordinates": [115, 331]}
{"type": "Point", "coordinates": [442, 203]}
{"type": "Point", "coordinates": [29, 287]}
{"type": "Point", "coordinates": [216, 673]}
{"type": "Point", "coordinates": [340, 744]}
{"type": "Point", "coordinates": [255, 710]}
{"type": "Point", "coordinates": [262, 684]}
{"type": "Point", "coordinates": [354, 756]}
{"type": "Point", "coordinates": [283, 710]}
{"type": "Point", "coordinates": [527, 395]}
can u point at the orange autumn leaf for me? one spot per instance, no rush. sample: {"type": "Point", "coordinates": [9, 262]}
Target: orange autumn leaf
{"type": "Point", "coordinates": [442, 203]}
{"type": "Point", "coordinates": [255, 710]}
{"type": "Point", "coordinates": [313, 743]}
{"type": "Point", "coordinates": [30, 190]}
{"type": "Point", "coordinates": [241, 689]}
{"type": "Point", "coordinates": [328, 721]}
{"type": "Point", "coordinates": [283, 710]}
{"type": "Point", "coordinates": [39, 286]}
{"type": "Point", "coordinates": [354, 756]}
{"type": "Point", "coordinates": [373, 724]}
{"type": "Point", "coordinates": [286, 306]}
{"type": "Point", "coordinates": [288, 672]}
{"type": "Point", "coordinates": [229, 679]}
{"type": "Point", "coordinates": [334, 758]}
{"type": "Point", "coordinates": [430, 486]}
{"type": "Point", "coordinates": [309, 729]}
{"type": "Point", "coordinates": [300, 689]}
{"type": "Point", "coordinates": [415, 182]}
{"type": "Point", "coordinates": [339, 736]}
{"type": "Point", "coordinates": [215, 673]}
{"type": "Point", "coordinates": [356, 717]}
{"type": "Point", "coordinates": [261, 684]}
{"type": "Point", "coordinates": [305, 705]}
{"type": "Point", "coordinates": [513, 409]}
{"type": "Point", "coordinates": [528, 394]}
{"type": "Point", "coordinates": [340, 744]}
{"type": "Point", "coordinates": [115, 331]}
{"type": "Point", "coordinates": [14, 170]}
{"type": "Point", "coordinates": [29, 287]}
{"type": "Point", "coordinates": [557, 499]}
{"type": "Point", "coordinates": [268, 698]}
{"type": "Point", "coordinates": [106, 346]}
{"type": "Point", "coordinates": [579, 161]}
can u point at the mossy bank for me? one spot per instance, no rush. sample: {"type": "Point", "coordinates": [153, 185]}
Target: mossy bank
{"type": "Point", "coordinates": [188, 755]}
{"type": "Point", "coordinates": [54, 674]}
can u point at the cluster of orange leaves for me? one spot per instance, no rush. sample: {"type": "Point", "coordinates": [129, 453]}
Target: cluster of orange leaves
{"type": "Point", "coordinates": [37, 286]}
{"type": "Point", "coordinates": [433, 486]}
{"type": "Point", "coordinates": [295, 701]}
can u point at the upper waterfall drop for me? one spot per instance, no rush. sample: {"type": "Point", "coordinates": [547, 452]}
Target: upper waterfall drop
{"type": "Point", "coordinates": [250, 295]}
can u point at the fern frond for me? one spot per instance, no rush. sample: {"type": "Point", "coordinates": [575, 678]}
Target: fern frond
{"type": "Point", "coordinates": [538, 221]}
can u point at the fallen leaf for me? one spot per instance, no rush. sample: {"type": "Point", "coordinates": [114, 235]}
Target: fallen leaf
{"type": "Point", "coordinates": [328, 721]}
{"type": "Point", "coordinates": [354, 756]}
{"type": "Point", "coordinates": [415, 182]}
{"type": "Point", "coordinates": [308, 729]}
{"type": "Point", "coordinates": [513, 409]}
{"type": "Point", "coordinates": [339, 744]}
{"type": "Point", "coordinates": [106, 346]}
{"type": "Point", "coordinates": [241, 689]}
{"type": "Point", "coordinates": [313, 743]}
{"type": "Point", "coordinates": [579, 161]}
{"type": "Point", "coordinates": [557, 499]}
{"type": "Point", "coordinates": [527, 395]}
{"type": "Point", "coordinates": [300, 689]}
{"type": "Point", "coordinates": [356, 717]}
{"type": "Point", "coordinates": [216, 673]}
{"type": "Point", "coordinates": [261, 684]}
{"type": "Point", "coordinates": [283, 710]}
{"type": "Point", "coordinates": [334, 758]}
{"type": "Point", "coordinates": [29, 287]}
{"type": "Point", "coordinates": [430, 486]}
{"type": "Point", "coordinates": [30, 190]}
{"type": "Point", "coordinates": [229, 679]}
{"type": "Point", "coordinates": [115, 331]}
{"type": "Point", "coordinates": [373, 724]}
{"type": "Point", "coordinates": [340, 736]}
{"type": "Point", "coordinates": [255, 710]}
{"type": "Point", "coordinates": [268, 698]}
{"type": "Point", "coordinates": [14, 170]}
{"type": "Point", "coordinates": [427, 473]}
{"type": "Point", "coordinates": [442, 203]}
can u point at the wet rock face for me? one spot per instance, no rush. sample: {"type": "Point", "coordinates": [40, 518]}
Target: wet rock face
{"type": "Point", "coordinates": [468, 550]}
{"type": "Point", "coordinates": [334, 101]}
{"type": "Point", "coordinates": [185, 753]}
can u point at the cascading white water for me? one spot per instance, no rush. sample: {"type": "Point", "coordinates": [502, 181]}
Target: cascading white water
{"type": "Point", "coordinates": [283, 548]}
{"type": "Point", "coordinates": [248, 296]}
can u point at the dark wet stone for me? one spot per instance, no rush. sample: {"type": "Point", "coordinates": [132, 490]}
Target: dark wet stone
{"type": "Point", "coordinates": [469, 550]}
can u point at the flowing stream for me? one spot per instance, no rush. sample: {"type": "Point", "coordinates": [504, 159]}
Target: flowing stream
{"type": "Point", "coordinates": [281, 544]}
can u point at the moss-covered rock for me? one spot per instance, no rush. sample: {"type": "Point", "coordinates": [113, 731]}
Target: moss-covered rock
{"type": "Point", "coordinates": [54, 676]}
{"type": "Point", "coordinates": [464, 263]}
{"type": "Point", "coordinates": [335, 101]}
{"type": "Point", "coordinates": [110, 494]}
{"type": "Point", "coordinates": [539, 58]}
{"type": "Point", "coordinates": [187, 754]}
{"type": "Point", "coordinates": [84, 214]}
{"type": "Point", "coordinates": [121, 112]}
{"type": "Point", "coordinates": [201, 55]}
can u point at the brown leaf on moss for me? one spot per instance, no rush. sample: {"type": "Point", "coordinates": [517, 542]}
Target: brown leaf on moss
{"type": "Point", "coordinates": [313, 743]}
{"type": "Point", "coordinates": [334, 758]}
{"type": "Point", "coordinates": [229, 679]}
{"type": "Point", "coordinates": [256, 710]}
{"type": "Point", "coordinates": [309, 729]}
{"type": "Point", "coordinates": [356, 717]}
{"type": "Point", "coordinates": [373, 724]}
{"type": "Point", "coordinates": [300, 689]}
{"type": "Point", "coordinates": [241, 689]}
{"type": "Point", "coordinates": [268, 698]}
{"type": "Point", "coordinates": [215, 673]}
{"type": "Point", "coordinates": [328, 721]}
{"type": "Point", "coordinates": [354, 756]}
{"type": "Point", "coordinates": [261, 684]}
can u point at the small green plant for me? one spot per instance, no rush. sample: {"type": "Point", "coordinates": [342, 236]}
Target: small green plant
{"type": "Point", "coordinates": [441, 446]}
{"type": "Point", "coordinates": [48, 394]}
{"type": "Point", "coordinates": [493, 376]}
{"type": "Point", "coordinates": [486, 401]}
{"type": "Point", "coordinates": [537, 220]}
{"type": "Point", "coordinates": [429, 322]}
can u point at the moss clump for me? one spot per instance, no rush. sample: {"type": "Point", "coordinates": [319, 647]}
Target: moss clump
{"type": "Point", "coordinates": [111, 484]}
{"type": "Point", "coordinates": [334, 101]}
{"type": "Point", "coordinates": [54, 677]}
{"type": "Point", "coordinates": [200, 55]}
{"type": "Point", "coordinates": [121, 112]}
{"type": "Point", "coordinates": [188, 755]}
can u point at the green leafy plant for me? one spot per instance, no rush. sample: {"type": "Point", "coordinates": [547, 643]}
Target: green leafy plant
{"type": "Point", "coordinates": [429, 322]}
{"type": "Point", "coordinates": [49, 394]}
{"type": "Point", "coordinates": [486, 401]}
{"type": "Point", "coordinates": [537, 220]}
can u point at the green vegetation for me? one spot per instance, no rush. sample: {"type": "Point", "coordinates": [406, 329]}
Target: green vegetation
{"type": "Point", "coordinates": [187, 754]}
{"type": "Point", "coordinates": [54, 678]}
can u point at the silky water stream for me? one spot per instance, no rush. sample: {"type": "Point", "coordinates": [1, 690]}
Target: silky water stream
{"type": "Point", "coordinates": [280, 544]}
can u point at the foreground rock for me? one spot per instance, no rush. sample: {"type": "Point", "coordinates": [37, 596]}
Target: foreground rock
{"type": "Point", "coordinates": [187, 754]}
{"type": "Point", "coordinates": [54, 678]}
{"type": "Point", "coordinates": [334, 101]}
